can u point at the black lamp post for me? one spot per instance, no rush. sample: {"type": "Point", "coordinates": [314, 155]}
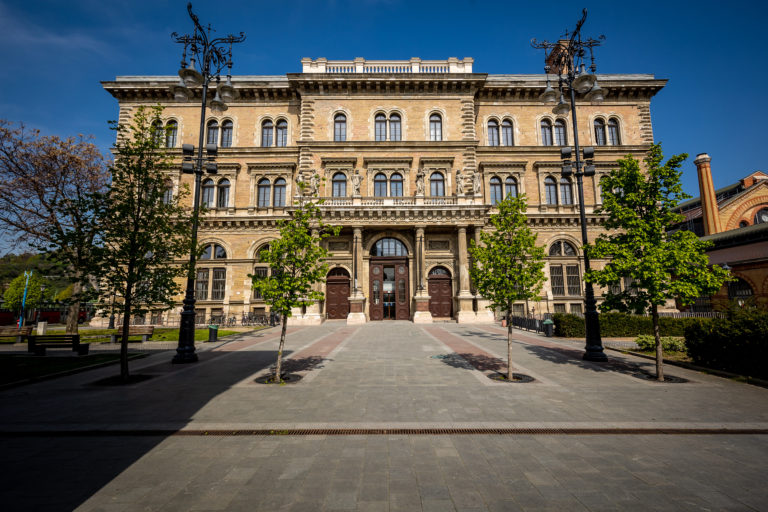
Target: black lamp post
{"type": "Point", "coordinates": [212, 56]}
{"type": "Point", "coordinates": [567, 57]}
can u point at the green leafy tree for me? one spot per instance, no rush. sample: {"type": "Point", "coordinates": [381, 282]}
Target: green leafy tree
{"type": "Point", "coordinates": [507, 264]}
{"type": "Point", "coordinates": [639, 246]}
{"type": "Point", "coordinates": [298, 262]}
{"type": "Point", "coordinates": [50, 190]}
{"type": "Point", "coordinates": [15, 293]}
{"type": "Point", "coordinates": [143, 233]}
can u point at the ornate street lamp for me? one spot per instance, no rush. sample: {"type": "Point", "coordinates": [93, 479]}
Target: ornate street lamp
{"type": "Point", "coordinates": [208, 57]}
{"type": "Point", "coordinates": [567, 59]}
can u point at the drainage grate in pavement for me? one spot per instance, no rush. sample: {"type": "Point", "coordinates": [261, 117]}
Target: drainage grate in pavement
{"type": "Point", "coordinates": [388, 432]}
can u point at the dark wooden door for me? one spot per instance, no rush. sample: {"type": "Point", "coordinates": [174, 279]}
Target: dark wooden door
{"type": "Point", "coordinates": [337, 294]}
{"type": "Point", "coordinates": [440, 296]}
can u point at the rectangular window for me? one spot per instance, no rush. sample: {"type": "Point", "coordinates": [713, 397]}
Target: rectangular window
{"type": "Point", "coordinates": [263, 196]}
{"type": "Point", "coordinates": [201, 284]}
{"type": "Point", "coordinates": [219, 283]}
{"type": "Point", "coordinates": [217, 316]}
{"type": "Point", "coordinates": [551, 192]}
{"type": "Point", "coordinates": [576, 309]}
{"type": "Point", "coordinates": [340, 131]}
{"type": "Point", "coordinates": [396, 188]}
{"type": "Point", "coordinates": [279, 194]}
{"type": "Point", "coordinates": [559, 134]}
{"type": "Point", "coordinates": [566, 193]}
{"type": "Point", "coordinates": [266, 136]}
{"type": "Point", "coordinates": [574, 283]}
{"type": "Point", "coordinates": [339, 188]}
{"type": "Point", "coordinates": [262, 273]}
{"type": "Point", "coordinates": [282, 136]}
{"type": "Point", "coordinates": [518, 309]}
{"type": "Point", "coordinates": [559, 308]}
{"type": "Point", "coordinates": [556, 277]}
{"type": "Point", "coordinates": [381, 131]}
{"type": "Point", "coordinates": [435, 130]}
{"type": "Point", "coordinates": [394, 130]}
{"type": "Point", "coordinates": [615, 288]}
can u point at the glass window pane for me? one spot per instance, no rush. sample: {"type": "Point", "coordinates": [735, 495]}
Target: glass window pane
{"type": "Point", "coordinates": [550, 189]}
{"type": "Point", "coordinates": [278, 200]}
{"type": "Point", "coordinates": [206, 198]}
{"type": "Point", "coordinates": [566, 193]}
{"type": "Point", "coordinates": [263, 199]}
{"type": "Point", "coordinates": [560, 135]}
{"type": "Point", "coordinates": [495, 190]}
{"type": "Point", "coordinates": [219, 283]}
{"type": "Point", "coordinates": [435, 128]}
{"type": "Point", "coordinates": [394, 127]}
{"type": "Point", "coordinates": [340, 128]}
{"type": "Point", "coordinates": [380, 185]}
{"type": "Point", "coordinates": [510, 186]}
{"type": "Point", "coordinates": [339, 185]}
{"type": "Point", "coordinates": [493, 133]}
{"type": "Point", "coordinates": [546, 133]}
{"type": "Point", "coordinates": [207, 252]}
{"type": "Point", "coordinates": [556, 249]}
{"type": "Point", "coordinates": [282, 133]}
{"type": "Point", "coordinates": [171, 132]}
{"type": "Point", "coordinates": [506, 133]}
{"type": "Point", "coordinates": [260, 272]}
{"type": "Point", "coordinates": [599, 132]}
{"type": "Point", "coordinates": [574, 284]}
{"type": "Point", "coordinates": [226, 134]}
{"type": "Point", "coordinates": [396, 185]}
{"type": "Point", "coordinates": [556, 277]}
{"type": "Point", "coordinates": [437, 185]}
{"type": "Point", "coordinates": [568, 249]}
{"type": "Point", "coordinates": [266, 134]}
{"type": "Point", "coordinates": [219, 252]}
{"type": "Point", "coordinates": [201, 284]}
{"type": "Point", "coordinates": [213, 132]}
{"type": "Point", "coordinates": [381, 127]}
{"type": "Point", "coordinates": [613, 131]}
{"type": "Point", "coordinates": [223, 201]}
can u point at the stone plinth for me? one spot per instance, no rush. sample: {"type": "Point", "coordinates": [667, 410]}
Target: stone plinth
{"type": "Point", "coordinates": [356, 314]}
{"type": "Point", "coordinates": [421, 314]}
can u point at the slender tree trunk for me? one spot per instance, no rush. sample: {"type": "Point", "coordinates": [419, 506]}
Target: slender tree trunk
{"type": "Point", "coordinates": [124, 375]}
{"type": "Point", "coordinates": [509, 344]}
{"type": "Point", "coordinates": [279, 366]}
{"type": "Point", "coordinates": [659, 347]}
{"type": "Point", "coordinates": [73, 316]}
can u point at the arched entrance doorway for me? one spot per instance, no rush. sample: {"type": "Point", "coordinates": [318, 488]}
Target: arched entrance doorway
{"type": "Point", "coordinates": [440, 290]}
{"type": "Point", "coordinates": [389, 298]}
{"type": "Point", "coordinates": [337, 294]}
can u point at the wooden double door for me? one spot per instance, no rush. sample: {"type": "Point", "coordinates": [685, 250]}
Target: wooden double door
{"type": "Point", "coordinates": [389, 298]}
{"type": "Point", "coordinates": [337, 294]}
{"type": "Point", "coordinates": [440, 290]}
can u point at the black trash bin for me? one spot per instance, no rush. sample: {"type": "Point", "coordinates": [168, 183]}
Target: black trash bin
{"type": "Point", "coordinates": [549, 328]}
{"type": "Point", "coordinates": [213, 333]}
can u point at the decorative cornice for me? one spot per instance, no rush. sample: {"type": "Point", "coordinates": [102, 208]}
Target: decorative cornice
{"type": "Point", "coordinates": [271, 165]}
{"type": "Point", "coordinates": [367, 161]}
{"type": "Point", "coordinates": [506, 164]}
{"type": "Point", "coordinates": [424, 161]}
{"type": "Point", "coordinates": [342, 160]}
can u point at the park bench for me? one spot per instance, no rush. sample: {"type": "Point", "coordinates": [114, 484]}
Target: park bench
{"type": "Point", "coordinates": [18, 334]}
{"type": "Point", "coordinates": [39, 343]}
{"type": "Point", "coordinates": [145, 331]}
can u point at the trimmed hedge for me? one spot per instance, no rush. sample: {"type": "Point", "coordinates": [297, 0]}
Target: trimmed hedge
{"type": "Point", "coordinates": [737, 343]}
{"type": "Point", "coordinates": [621, 325]}
{"type": "Point", "coordinates": [668, 343]}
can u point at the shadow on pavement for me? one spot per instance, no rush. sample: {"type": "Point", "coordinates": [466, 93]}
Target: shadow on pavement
{"type": "Point", "coordinates": [60, 470]}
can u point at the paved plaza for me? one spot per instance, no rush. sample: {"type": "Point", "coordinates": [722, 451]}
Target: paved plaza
{"type": "Point", "coordinates": [386, 416]}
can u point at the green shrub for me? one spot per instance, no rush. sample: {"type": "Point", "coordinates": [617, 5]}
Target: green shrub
{"type": "Point", "coordinates": [668, 343]}
{"type": "Point", "coordinates": [737, 343]}
{"type": "Point", "coordinates": [621, 325]}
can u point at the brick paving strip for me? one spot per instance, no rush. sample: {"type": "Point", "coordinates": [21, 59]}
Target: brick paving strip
{"type": "Point", "coordinates": [620, 367]}
{"type": "Point", "coordinates": [309, 359]}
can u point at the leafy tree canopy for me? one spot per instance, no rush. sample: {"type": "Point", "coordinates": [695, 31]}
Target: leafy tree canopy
{"type": "Point", "coordinates": [15, 293]}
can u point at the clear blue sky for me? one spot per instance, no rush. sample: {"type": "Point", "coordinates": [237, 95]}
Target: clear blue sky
{"type": "Point", "coordinates": [56, 52]}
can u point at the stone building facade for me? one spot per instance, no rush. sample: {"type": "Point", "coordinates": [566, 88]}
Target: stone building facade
{"type": "Point", "coordinates": [410, 158]}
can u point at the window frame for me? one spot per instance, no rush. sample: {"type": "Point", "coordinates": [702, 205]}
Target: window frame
{"type": "Point", "coordinates": [496, 190]}
{"type": "Point", "coordinates": [263, 193]}
{"type": "Point", "coordinates": [380, 127]}
{"type": "Point", "coordinates": [171, 133]}
{"type": "Point", "coordinates": [435, 127]}
{"type": "Point", "coordinates": [340, 127]}
{"type": "Point", "coordinates": [227, 133]}
{"type": "Point", "coordinates": [278, 193]}
{"type": "Point", "coordinates": [560, 132]}
{"type": "Point", "coordinates": [566, 192]}
{"type": "Point", "coordinates": [339, 185]}
{"type": "Point", "coordinates": [223, 186]}
{"type": "Point", "coordinates": [380, 185]}
{"type": "Point", "coordinates": [507, 133]}
{"type": "Point", "coordinates": [281, 133]}
{"type": "Point", "coordinates": [550, 191]}
{"type": "Point", "coordinates": [212, 132]}
{"type": "Point", "coordinates": [437, 185]}
{"type": "Point", "coordinates": [545, 129]}
{"type": "Point", "coordinates": [396, 181]}
{"type": "Point", "coordinates": [267, 131]}
{"type": "Point", "coordinates": [494, 138]}
{"type": "Point", "coordinates": [510, 182]}
{"type": "Point", "coordinates": [395, 127]}
{"type": "Point", "coordinates": [208, 193]}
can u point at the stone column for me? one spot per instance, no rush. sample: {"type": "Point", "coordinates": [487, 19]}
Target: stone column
{"type": "Point", "coordinates": [483, 314]}
{"type": "Point", "coordinates": [464, 299]}
{"type": "Point", "coordinates": [356, 314]}
{"type": "Point", "coordinates": [421, 314]}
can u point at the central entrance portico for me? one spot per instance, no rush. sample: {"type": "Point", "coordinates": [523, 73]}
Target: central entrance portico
{"type": "Point", "coordinates": [389, 281]}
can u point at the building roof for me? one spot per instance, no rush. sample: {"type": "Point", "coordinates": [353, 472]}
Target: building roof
{"type": "Point", "coordinates": [740, 236]}
{"type": "Point", "coordinates": [691, 209]}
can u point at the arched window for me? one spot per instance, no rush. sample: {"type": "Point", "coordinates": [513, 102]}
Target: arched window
{"type": "Point", "coordinates": [761, 217]}
{"type": "Point", "coordinates": [207, 193]}
{"type": "Point", "coordinates": [495, 190]}
{"type": "Point", "coordinates": [157, 132]}
{"type": "Point", "coordinates": [493, 132]}
{"type": "Point", "coordinates": [339, 183]}
{"type": "Point", "coordinates": [396, 185]}
{"type": "Point", "coordinates": [340, 128]}
{"type": "Point", "coordinates": [263, 189]}
{"type": "Point", "coordinates": [223, 199]}
{"type": "Point", "coordinates": [168, 193]}
{"type": "Point", "coordinates": [226, 134]}
{"type": "Point", "coordinates": [436, 185]}
{"type": "Point", "coordinates": [546, 132]}
{"type": "Point", "coordinates": [599, 132]}
{"type": "Point", "coordinates": [389, 247]}
{"type": "Point", "coordinates": [278, 195]}
{"type": "Point", "coordinates": [171, 133]}
{"type": "Point", "coordinates": [510, 186]}
{"type": "Point", "coordinates": [282, 133]}
{"type": "Point", "coordinates": [213, 132]}
{"type": "Point", "coordinates": [739, 289]}
{"type": "Point", "coordinates": [213, 251]}
{"type": "Point", "coordinates": [560, 135]}
{"type": "Point", "coordinates": [550, 191]}
{"type": "Point", "coordinates": [566, 192]}
{"type": "Point", "coordinates": [562, 248]}
{"type": "Point", "coordinates": [394, 127]}
{"type": "Point", "coordinates": [613, 132]}
{"type": "Point", "coordinates": [380, 185]}
{"type": "Point", "coordinates": [439, 271]}
{"type": "Point", "coordinates": [380, 124]}
{"type": "Point", "coordinates": [435, 127]}
{"type": "Point", "coordinates": [507, 138]}
{"type": "Point", "coordinates": [266, 133]}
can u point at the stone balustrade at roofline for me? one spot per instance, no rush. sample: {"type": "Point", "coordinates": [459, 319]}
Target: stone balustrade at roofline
{"type": "Point", "coordinates": [361, 65]}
